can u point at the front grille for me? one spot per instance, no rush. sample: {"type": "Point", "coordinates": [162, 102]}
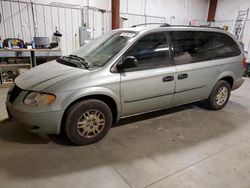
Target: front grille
{"type": "Point", "coordinates": [14, 93]}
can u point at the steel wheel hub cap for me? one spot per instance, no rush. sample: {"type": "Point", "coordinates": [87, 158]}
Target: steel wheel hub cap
{"type": "Point", "coordinates": [91, 123]}
{"type": "Point", "coordinates": [221, 96]}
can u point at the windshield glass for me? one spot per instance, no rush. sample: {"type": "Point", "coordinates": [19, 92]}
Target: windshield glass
{"type": "Point", "coordinates": [99, 51]}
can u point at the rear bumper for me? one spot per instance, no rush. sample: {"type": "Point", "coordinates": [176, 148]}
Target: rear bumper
{"type": "Point", "coordinates": [238, 83]}
{"type": "Point", "coordinates": [46, 122]}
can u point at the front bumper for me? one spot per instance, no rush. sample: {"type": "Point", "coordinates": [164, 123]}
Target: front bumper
{"type": "Point", "coordinates": [44, 122]}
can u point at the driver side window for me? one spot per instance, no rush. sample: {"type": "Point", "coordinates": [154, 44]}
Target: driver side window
{"type": "Point", "coordinates": [151, 51]}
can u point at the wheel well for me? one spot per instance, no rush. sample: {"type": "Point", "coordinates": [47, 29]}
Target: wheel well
{"type": "Point", "coordinates": [106, 99]}
{"type": "Point", "coordinates": [229, 79]}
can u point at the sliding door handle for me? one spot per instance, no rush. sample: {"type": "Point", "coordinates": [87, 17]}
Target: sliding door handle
{"type": "Point", "coordinates": [168, 78]}
{"type": "Point", "coordinates": [182, 76]}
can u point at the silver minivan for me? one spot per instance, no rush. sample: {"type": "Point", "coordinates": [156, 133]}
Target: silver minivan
{"type": "Point", "coordinates": [124, 73]}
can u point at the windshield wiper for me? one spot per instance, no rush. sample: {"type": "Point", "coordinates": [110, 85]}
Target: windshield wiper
{"type": "Point", "coordinates": [80, 59]}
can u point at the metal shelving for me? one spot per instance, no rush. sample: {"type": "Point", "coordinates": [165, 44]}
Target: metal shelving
{"type": "Point", "coordinates": [30, 55]}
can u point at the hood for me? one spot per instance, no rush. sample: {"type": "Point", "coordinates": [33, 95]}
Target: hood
{"type": "Point", "coordinates": [43, 76]}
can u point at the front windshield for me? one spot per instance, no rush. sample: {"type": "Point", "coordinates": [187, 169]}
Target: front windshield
{"type": "Point", "coordinates": [99, 51]}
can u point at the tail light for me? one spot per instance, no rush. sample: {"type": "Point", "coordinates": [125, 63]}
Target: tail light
{"type": "Point", "coordinates": [244, 62]}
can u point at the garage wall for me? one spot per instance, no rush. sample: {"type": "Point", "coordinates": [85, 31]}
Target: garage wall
{"type": "Point", "coordinates": [226, 14]}
{"type": "Point", "coordinates": [102, 4]}
{"type": "Point", "coordinates": [183, 10]}
{"type": "Point", "coordinates": [18, 21]}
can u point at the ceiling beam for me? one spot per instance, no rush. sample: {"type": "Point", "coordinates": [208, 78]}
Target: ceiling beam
{"type": "Point", "coordinates": [212, 10]}
{"type": "Point", "coordinates": [115, 14]}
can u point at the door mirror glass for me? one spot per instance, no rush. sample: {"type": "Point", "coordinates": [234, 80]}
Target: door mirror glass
{"type": "Point", "coordinates": [128, 62]}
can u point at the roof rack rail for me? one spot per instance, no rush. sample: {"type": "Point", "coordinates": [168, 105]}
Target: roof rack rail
{"type": "Point", "coordinates": [204, 26]}
{"type": "Point", "coordinates": [148, 24]}
{"type": "Point", "coordinates": [165, 25]}
{"type": "Point", "coordinates": [207, 26]}
{"type": "Point", "coordinates": [168, 25]}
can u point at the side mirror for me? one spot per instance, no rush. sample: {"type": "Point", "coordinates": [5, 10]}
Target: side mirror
{"type": "Point", "coordinates": [128, 62]}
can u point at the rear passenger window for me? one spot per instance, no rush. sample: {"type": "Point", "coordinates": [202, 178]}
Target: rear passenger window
{"type": "Point", "coordinates": [151, 51]}
{"type": "Point", "coordinates": [197, 46]}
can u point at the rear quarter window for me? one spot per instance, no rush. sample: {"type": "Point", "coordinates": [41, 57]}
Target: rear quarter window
{"type": "Point", "coordinates": [198, 46]}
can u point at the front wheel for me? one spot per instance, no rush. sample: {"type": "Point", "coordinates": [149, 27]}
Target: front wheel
{"type": "Point", "coordinates": [88, 121]}
{"type": "Point", "coordinates": [219, 95]}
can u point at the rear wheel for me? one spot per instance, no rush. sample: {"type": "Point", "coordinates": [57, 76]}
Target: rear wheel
{"type": "Point", "coordinates": [245, 74]}
{"type": "Point", "coordinates": [88, 122]}
{"type": "Point", "coordinates": [219, 95]}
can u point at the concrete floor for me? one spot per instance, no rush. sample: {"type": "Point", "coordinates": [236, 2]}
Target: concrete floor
{"type": "Point", "coordinates": [187, 146]}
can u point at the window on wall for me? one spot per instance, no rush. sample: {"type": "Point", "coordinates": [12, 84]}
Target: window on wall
{"type": "Point", "coordinates": [151, 51]}
{"type": "Point", "coordinates": [197, 46]}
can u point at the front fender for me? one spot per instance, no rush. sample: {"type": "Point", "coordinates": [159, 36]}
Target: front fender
{"type": "Point", "coordinates": [64, 99]}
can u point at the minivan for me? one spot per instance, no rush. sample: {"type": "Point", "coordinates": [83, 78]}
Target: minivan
{"type": "Point", "coordinates": [123, 73]}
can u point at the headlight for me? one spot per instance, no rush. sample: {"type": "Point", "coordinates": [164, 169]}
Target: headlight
{"type": "Point", "coordinates": [36, 99]}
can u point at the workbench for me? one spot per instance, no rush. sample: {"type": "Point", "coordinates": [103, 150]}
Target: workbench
{"type": "Point", "coordinates": [32, 54]}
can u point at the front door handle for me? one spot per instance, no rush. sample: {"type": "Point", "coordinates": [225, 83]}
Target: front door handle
{"type": "Point", "coordinates": [182, 76]}
{"type": "Point", "coordinates": [168, 78]}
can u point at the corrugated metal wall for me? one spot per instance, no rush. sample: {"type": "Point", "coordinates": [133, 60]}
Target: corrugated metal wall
{"type": "Point", "coordinates": [26, 20]}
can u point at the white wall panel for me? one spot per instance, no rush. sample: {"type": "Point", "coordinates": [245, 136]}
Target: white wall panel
{"type": "Point", "coordinates": [183, 10]}
{"type": "Point", "coordinates": [68, 20]}
{"type": "Point", "coordinates": [226, 14]}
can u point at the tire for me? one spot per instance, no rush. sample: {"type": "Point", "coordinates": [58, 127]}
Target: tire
{"type": "Point", "coordinates": [87, 122]}
{"type": "Point", "coordinates": [245, 74]}
{"type": "Point", "coordinates": [213, 102]}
